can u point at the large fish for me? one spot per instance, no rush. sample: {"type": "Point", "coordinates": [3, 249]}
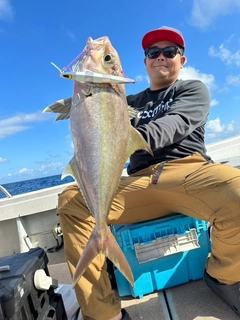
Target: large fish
{"type": "Point", "coordinates": [103, 140]}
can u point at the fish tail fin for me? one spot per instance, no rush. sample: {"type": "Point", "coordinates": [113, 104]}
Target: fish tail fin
{"type": "Point", "coordinates": [107, 246]}
{"type": "Point", "coordinates": [89, 253]}
{"type": "Point", "coordinates": [115, 254]}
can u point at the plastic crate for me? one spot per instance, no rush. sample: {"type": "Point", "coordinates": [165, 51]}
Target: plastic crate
{"type": "Point", "coordinates": [19, 298]}
{"type": "Point", "coordinates": [55, 309]}
{"type": "Point", "coordinates": [70, 300]}
{"type": "Point", "coordinates": [162, 253]}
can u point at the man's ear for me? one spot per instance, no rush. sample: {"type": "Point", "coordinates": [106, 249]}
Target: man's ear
{"type": "Point", "coordinates": [183, 60]}
{"type": "Point", "coordinates": [144, 61]}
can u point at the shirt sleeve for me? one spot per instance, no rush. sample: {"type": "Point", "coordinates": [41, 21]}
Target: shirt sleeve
{"type": "Point", "coordinates": [188, 111]}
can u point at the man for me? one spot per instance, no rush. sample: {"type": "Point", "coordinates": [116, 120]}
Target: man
{"type": "Point", "coordinates": [180, 177]}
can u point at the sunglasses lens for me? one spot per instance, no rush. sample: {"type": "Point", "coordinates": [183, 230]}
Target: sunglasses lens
{"type": "Point", "coordinates": [153, 53]}
{"type": "Point", "coordinates": [168, 52]}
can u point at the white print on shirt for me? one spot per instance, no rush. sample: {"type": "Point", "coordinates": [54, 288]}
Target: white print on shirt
{"type": "Point", "coordinates": [160, 108]}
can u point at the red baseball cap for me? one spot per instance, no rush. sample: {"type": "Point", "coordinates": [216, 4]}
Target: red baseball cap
{"type": "Point", "coordinates": [162, 34]}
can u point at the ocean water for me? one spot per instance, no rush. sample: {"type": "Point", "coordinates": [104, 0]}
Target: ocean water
{"type": "Point", "coordinates": [15, 188]}
{"type": "Point", "coordinates": [20, 187]}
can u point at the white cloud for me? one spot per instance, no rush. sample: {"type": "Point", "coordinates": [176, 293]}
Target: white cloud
{"type": "Point", "coordinates": [230, 58]}
{"type": "Point", "coordinates": [225, 55]}
{"type": "Point", "coordinates": [44, 170]}
{"type": "Point", "coordinates": [214, 102]}
{"type": "Point", "coordinates": [204, 12]}
{"type": "Point", "coordinates": [188, 73]}
{"type": "Point", "coordinates": [15, 124]}
{"type": "Point", "coordinates": [214, 126]}
{"type": "Point", "coordinates": [216, 130]}
{"type": "Point", "coordinates": [234, 80]}
{"type": "Point", "coordinates": [6, 11]}
{"type": "Point", "coordinates": [52, 167]}
{"type": "Point", "coordinates": [141, 78]}
{"type": "Point", "coordinates": [25, 172]}
{"type": "Point", "coordinates": [3, 160]}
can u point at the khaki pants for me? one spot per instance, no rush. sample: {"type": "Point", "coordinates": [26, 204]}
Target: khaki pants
{"type": "Point", "coordinates": [191, 186]}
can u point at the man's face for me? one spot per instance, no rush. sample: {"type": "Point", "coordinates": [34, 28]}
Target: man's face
{"type": "Point", "coordinates": [162, 70]}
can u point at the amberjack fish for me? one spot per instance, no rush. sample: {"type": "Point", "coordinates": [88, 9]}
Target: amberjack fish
{"type": "Point", "coordinates": [103, 140]}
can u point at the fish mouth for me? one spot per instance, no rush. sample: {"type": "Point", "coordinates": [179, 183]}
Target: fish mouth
{"type": "Point", "coordinates": [89, 45]}
{"type": "Point", "coordinates": [95, 44]}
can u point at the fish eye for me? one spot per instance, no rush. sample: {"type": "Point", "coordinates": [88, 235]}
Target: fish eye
{"type": "Point", "coordinates": [108, 58]}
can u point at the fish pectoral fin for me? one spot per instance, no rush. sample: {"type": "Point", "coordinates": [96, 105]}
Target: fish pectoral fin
{"type": "Point", "coordinates": [62, 107]}
{"type": "Point", "coordinates": [71, 170]}
{"type": "Point", "coordinates": [132, 112]}
{"type": "Point", "coordinates": [62, 116]}
{"type": "Point", "coordinates": [137, 142]}
{"type": "Point", "coordinates": [107, 246]}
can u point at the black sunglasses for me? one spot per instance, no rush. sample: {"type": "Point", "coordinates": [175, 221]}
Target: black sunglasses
{"type": "Point", "coordinates": [168, 52]}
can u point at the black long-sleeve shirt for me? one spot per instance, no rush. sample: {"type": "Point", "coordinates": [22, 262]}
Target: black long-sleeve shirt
{"type": "Point", "coordinates": [171, 120]}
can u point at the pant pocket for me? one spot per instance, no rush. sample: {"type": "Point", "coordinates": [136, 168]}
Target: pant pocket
{"type": "Point", "coordinates": [198, 179]}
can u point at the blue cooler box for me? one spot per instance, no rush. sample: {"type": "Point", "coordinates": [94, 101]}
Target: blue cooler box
{"type": "Point", "coordinates": [162, 253]}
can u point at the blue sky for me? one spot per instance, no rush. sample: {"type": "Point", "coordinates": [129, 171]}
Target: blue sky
{"type": "Point", "coordinates": [35, 33]}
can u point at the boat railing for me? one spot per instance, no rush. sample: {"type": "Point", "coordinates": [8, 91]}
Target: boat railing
{"type": "Point", "coordinates": [5, 192]}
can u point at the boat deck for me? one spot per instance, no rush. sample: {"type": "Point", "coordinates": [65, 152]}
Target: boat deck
{"type": "Point", "coordinates": [191, 301]}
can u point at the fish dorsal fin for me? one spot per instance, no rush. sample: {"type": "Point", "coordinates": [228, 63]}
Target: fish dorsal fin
{"type": "Point", "coordinates": [136, 142]}
{"type": "Point", "coordinates": [62, 107]}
